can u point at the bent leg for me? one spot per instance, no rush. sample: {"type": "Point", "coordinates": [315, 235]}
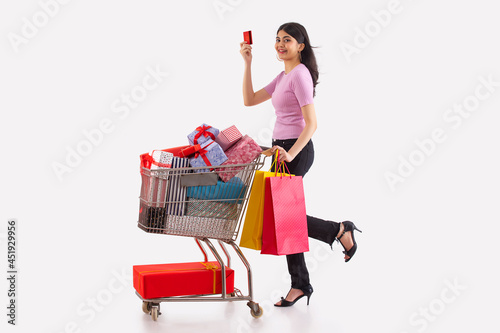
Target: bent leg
{"type": "Point", "coordinates": [325, 231]}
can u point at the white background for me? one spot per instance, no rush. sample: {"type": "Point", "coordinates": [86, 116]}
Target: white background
{"type": "Point", "coordinates": [77, 232]}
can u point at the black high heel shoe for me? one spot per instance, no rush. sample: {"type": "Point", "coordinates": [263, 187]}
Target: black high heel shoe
{"type": "Point", "coordinates": [349, 226]}
{"type": "Point", "coordinates": [307, 291]}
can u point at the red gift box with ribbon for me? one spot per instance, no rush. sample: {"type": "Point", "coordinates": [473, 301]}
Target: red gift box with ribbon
{"type": "Point", "coordinates": [190, 150]}
{"type": "Point", "coordinates": [181, 279]}
{"type": "Point", "coordinates": [147, 159]}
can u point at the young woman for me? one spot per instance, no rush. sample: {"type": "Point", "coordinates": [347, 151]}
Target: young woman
{"type": "Point", "coordinates": [292, 93]}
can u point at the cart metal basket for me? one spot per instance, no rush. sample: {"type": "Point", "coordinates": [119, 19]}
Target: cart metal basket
{"type": "Point", "coordinates": [194, 202]}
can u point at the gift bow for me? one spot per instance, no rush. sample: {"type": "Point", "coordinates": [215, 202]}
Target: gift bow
{"type": "Point", "coordinates": [147, 160]}
{"type": "Point", "coordinates": [203, 130]}
{"type": "Point", "coordinates": [203, 152]}
{"type": "Point", "coordinates": [190, 150]}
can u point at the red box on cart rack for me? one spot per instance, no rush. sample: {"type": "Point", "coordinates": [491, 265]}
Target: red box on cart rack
{"type": "Point", "coordinates": [181, 279]}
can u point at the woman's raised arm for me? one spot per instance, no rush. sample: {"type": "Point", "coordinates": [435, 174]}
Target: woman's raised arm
{"type": "Point", "coordinates": [250, 97]}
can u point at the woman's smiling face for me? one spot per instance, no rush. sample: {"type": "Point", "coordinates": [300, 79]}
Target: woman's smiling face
{"type": "Point", "coordinates": [287, 47]}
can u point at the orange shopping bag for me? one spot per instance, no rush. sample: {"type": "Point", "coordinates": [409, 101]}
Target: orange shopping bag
{"type": "Point", "coordinates": [251, 235]}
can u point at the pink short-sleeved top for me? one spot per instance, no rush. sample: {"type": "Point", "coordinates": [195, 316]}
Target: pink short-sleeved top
{"type": "Point", "coordinates": [289, 93]}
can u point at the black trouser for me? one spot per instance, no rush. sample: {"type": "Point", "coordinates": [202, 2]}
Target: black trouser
{"type": "Point", "coordinates": [319, 229]}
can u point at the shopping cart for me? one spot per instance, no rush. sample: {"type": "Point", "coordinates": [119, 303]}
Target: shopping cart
{"type": "Point", "coordinates": [193, 202]}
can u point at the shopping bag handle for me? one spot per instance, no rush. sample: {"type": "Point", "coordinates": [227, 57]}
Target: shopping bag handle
{"type": "Point", "coordinates": [281, 167]}
{"type": "Point", "coordinates": [268, 152]}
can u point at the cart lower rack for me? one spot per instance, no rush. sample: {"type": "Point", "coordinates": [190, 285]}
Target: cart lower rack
{"type": "Point", "coordinates": [194, 202]}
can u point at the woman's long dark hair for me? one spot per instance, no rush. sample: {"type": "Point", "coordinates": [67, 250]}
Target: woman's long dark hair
{"type": "Point", "coordinates": [297, 31]}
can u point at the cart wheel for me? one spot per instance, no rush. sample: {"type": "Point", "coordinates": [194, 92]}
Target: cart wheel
{"type": "Point", "coordinates": [154, 313]}
{"type": "Point", "coordinates": [146, 307]}
{"type": "Point", "coordinates": [255, 309]}
{"type": "Point", "coordinates": [258, 313]}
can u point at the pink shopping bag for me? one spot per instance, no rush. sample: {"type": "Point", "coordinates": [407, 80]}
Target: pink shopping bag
{"type": "Point", "coordinates": [285, 223]}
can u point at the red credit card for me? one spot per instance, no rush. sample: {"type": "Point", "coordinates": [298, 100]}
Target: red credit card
{"type": "Point", "coordinates": [247, 35]}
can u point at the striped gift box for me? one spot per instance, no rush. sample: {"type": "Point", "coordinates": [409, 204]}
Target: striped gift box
{"type": "Point", "coordinates": [228, 137]}
{"type": "Point", "coordinates": [176, 195]}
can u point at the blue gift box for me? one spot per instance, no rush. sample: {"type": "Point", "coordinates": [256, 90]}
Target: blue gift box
{"type": "Point", "coordinates": [226, 192]}
{"type": "Point", "coordinates": [210, 154]}
{"type": "Point", "coordinates": [202, 134]}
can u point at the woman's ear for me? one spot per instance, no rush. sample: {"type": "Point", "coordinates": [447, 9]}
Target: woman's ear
{"type": "Point", "coordinates": [302, 47]}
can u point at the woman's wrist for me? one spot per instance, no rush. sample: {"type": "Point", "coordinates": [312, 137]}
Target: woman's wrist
{"type": "Point", "coordinates": [292, 153]}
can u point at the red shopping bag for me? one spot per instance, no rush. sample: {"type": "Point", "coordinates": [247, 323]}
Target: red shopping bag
{"type": "Point", "coordinates": [284, 228]}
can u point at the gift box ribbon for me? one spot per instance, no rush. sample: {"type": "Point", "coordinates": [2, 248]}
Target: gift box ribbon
{"type": "Point", "coordinates": [208, 265]}
{"type": "Point", "coordinates": [213, 268]}
{"type": "Point", "coordinates": [147, 160]}
{"type": "Point", "coordinates": [190, 150]}
{"type": "Point", "coordinates": [203, 130]}
{"type": "Point", "coordinates": [203, 152]}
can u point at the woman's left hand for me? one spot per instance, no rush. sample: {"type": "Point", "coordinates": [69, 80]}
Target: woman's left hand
{"type": "Point", "coordinates": [284, 156]}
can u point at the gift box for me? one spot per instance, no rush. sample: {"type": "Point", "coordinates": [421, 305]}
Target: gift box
{"type": "Point", "coordinates": [228, 137]}
{"type": "Point", "coordinates": [176, 196]}
{"type": "Point", "coordinates": [175, 150]}
{"type": "Point", "coordinates": [161, 159]}
{"type": "Point", "coordinates": [152, 218]}
{"type": "Point", "coordinates": [202, 134]}
{"type": "Point", "coordinates": [212, 209]}
{"type": "Point", "coordinates": [154, 190]}
{"type": "Point", "coordinates": [147, 159]}
{"type": "Point", "coordinates": [243, 152]}
{"type": "Point", "coordinates": [181, 279]}
{"type": "Point", "coordinates": [200, 227]}
{"type": "Point", "coordinates": [210, 154]}
{"type": "Point", "coordinates": [162, 194]}
{"type": "Point", "coordinates": [190, 150]}
{"type": "Point", "coordinates": [223, 191]}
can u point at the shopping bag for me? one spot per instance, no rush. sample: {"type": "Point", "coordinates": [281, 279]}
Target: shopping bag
{"type": "Point", "coordinates": [284, 222]}
{"type": "Point", "coordinates": [251, 235]}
